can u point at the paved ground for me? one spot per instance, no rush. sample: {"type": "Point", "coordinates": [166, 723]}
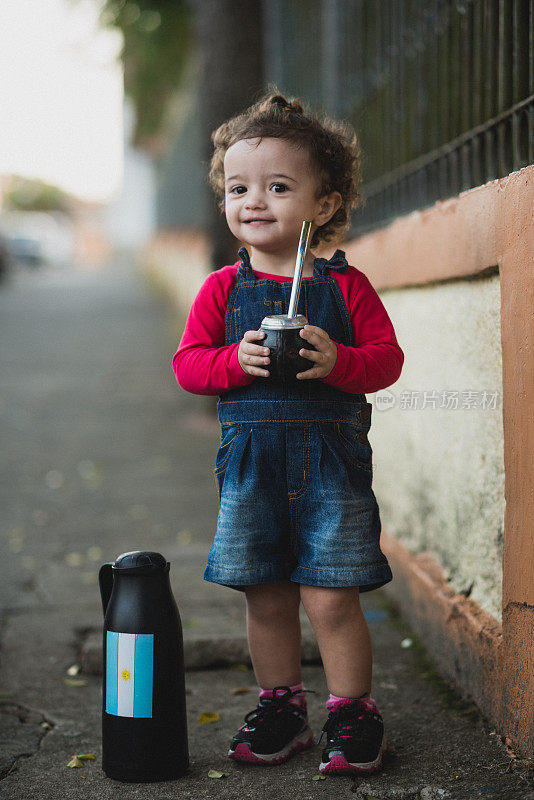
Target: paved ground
{"type": "Point", "coordinates": [102, 453]}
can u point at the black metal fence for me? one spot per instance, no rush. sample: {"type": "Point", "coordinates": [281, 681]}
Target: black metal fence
{"type": "Point", "coordinates": [440, 92]}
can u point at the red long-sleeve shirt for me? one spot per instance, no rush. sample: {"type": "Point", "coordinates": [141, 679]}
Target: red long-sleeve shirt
{"type": "Point", "coordinates": [203, 364]}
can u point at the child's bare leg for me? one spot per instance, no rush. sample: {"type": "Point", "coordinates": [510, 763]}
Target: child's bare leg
{"type": "Point", "coordinates": [273, 629]}
{"type": "Point", "coordinates": [343, 638]}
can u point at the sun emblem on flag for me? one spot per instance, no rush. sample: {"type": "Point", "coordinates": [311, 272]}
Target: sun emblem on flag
{"type": "Point", "coordinates": [126, 674]}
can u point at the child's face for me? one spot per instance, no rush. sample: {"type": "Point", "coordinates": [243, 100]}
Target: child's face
{"type": "Point", "coordinates": [270, 189]}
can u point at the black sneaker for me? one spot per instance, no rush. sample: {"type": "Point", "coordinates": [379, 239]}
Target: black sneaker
{"type": "Point", "coordinates": [356, 741]}
{"type": "Point", "coordinates": [273, 732]}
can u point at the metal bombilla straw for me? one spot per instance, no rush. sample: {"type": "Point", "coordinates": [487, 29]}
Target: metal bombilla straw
{"type": "Point", "coordinates": [299, 264]}
{"type": "Point", "coordinates": [282, 331]}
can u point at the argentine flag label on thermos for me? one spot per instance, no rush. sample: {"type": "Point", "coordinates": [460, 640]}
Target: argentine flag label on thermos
{"type": "Point", "coordinates": [129, 673]}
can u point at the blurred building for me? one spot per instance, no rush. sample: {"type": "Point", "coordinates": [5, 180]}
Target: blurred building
{"type": "Point", "coordinates": [130, 217]}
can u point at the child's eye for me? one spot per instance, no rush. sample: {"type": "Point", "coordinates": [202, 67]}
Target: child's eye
{"type": "Point", "coordinates": [238, 189]}
{"type": "Point", "coordinates": [278, 188]}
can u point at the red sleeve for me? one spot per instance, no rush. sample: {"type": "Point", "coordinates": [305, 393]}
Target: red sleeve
{"type": "Point", "coordinates": [203, 364]}
{"type": "Point", "coordinates": [376, 360]}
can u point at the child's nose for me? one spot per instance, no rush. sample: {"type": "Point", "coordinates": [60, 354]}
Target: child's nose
{"type": "Point", "coordinates": [255, 200]}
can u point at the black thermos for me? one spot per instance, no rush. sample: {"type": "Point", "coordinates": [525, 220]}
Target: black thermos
{"type": "Point", "coordinates": [144, 730]}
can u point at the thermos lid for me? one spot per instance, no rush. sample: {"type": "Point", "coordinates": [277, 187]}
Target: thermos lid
{"type": "Point", "coordinates": [140, 561]}
{"type": "Point", "coordinates": [281, 321]}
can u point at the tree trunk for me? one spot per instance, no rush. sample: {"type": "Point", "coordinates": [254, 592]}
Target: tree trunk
{"type": "Point", "coordinates": [229, 39]}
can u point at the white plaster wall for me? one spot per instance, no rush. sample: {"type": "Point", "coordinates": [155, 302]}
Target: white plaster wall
{"type": "Point", "coordinates": [439, 472]}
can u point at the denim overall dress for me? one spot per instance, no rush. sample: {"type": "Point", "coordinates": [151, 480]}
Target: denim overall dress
{"type": "Point", "coordinates": [294, 467]}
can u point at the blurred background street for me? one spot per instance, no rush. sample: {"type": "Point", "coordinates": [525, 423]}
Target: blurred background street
{"type": "Point", "coordinates": [93, 436]}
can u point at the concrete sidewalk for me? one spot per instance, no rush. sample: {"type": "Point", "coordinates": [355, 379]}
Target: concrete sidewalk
{"type": "Point", "coordinates": [103, 453]}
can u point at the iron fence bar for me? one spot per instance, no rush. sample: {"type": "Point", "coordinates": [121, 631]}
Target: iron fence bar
{"type": "Point", "coordinates": [273, 45]}
{"type": "Point", "coordinates": [477, 54]}
{"type": "Point", "coordinates": [331, 74]}
{"type": "Point", "coordinates": [440, 92]}
{"type": "Point", "coordinates": [450, 148]}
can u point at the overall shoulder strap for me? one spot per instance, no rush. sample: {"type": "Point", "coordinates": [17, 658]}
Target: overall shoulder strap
{"type": "Point", "coordinates": [338, 262]}
{"type": "Point", "coordinates": [245, 271]}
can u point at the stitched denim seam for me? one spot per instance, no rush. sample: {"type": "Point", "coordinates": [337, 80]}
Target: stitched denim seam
{"type": "Point", "coordinates": [305, 467]}
{"type": "Point", "coordinates": [237, 321]}
{"type": "Point", "coordinates": [281, 421]}
{"type": "Point", "coordinates": [343, 310]}
{"type": "Point", "coordinates": [294, 533]}
{"type": "Point", "coordinates": [229, 313]}
{"type": "Point", "coordinates": [251, 282]}
{"type": "Point", "coordinates": [345, 442]}
{"type": "Point", "coordinates": [354, 403]}
{"type": "Point", "coordinates": [296, 491]}
{"type": "Point", "coordinates": [221, 467]}
{"type": "Point", "coordinates": [360, 568]}
{"type": "Point", "coordinates": [296, 526]}
{"type": "Point", "coordinates": [252, 568]}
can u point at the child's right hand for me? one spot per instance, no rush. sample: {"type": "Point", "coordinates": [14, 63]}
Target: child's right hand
{"type": "Point", "coordinates": [249, 355]}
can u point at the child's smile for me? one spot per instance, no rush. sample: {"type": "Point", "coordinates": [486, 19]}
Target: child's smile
{"type": "Point", "coordinates": [270, 189]}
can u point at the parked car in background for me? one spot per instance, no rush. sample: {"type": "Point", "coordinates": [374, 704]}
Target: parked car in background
{"type": "Point", "coordinates": [26, 249]}
{"type": "Point", "coordinates": [35, 238]}
{"type": "Point", "coordinates": [4, 257]}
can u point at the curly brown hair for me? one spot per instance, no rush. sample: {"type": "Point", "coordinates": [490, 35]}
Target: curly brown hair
{"type": "Point", "coordinates": [333, 147]}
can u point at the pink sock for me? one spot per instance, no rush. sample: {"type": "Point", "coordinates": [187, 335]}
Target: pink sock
{"type": "Point", "coordinates": [298, 700]}
{"type": "Point", "coordinates": [334, 702]}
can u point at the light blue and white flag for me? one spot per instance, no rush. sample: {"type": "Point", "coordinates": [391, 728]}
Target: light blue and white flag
{"type": "Point", "coordinates": [129, 673]}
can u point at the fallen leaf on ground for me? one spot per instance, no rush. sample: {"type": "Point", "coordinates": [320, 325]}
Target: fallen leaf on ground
{"type": "Point", "coordinates": [54, 479]}
{"type": "Point", "coordinates": [240, 690]}
{"type": "Point", "coordinates": [509, 746]}
{"type": "Point", "coordinates": [215, 773]}
{"type": "Point", "coordinates": [73, 559]}
{"type": "Point", "coordinates": [240, 667]}
{"type": "Point", "coordinates": [184, 537]}
{"type": "Point", "coordinates": [319, 778]}
{"type": "Point", "coordinates": [77, 760]}
{"type": "Point", "coordinates": [208, 716]}
{"type": "Point", "coordinates": [94, 553]}
{"type": "Point", "coordinates": [74, 682]}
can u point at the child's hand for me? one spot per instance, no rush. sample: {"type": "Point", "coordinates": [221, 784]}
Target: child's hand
{"type": "Point", "coordinates": [249, 354]}
{"type": "Point", "coordinates": [325, 356]}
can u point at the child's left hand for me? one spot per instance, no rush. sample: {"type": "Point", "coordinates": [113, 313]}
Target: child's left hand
{"type": "Point", "coordinates": [325, 356]}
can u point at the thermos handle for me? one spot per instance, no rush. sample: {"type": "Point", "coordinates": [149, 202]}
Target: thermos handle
{"type": "Point", "coordinates": [105, 579]}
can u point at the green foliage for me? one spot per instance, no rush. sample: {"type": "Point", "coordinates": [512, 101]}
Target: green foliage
{"type": "Point", "coordinates": [24, 194]}
{"type": "Point", "coordinates": [157, 44]}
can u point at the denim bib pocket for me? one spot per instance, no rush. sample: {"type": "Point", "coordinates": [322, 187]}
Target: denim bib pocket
{"type": "Point", "coordinates": [229, 435]}
{"type": "Point", "coordinates": [354, 439]}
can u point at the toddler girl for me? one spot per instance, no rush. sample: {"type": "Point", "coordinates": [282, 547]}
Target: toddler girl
{"type": "Point", "coordinates": [298, 521]}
